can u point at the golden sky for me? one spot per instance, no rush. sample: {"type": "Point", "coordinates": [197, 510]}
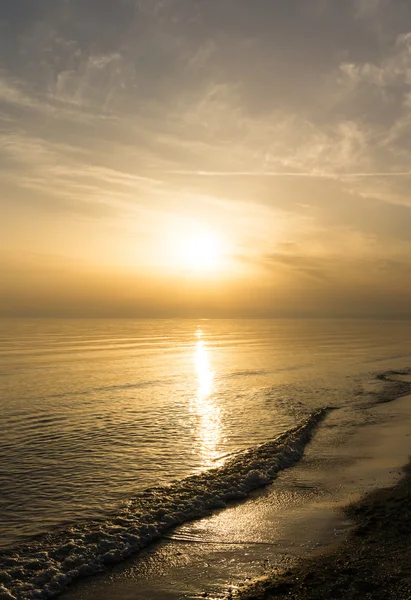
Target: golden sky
{"type": "Point", "coordinates": [205, 158]}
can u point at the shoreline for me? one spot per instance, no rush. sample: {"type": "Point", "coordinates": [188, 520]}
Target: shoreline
{"type": "Point", "coordinates": [373, 562]}
{"type": "Point", "coordinates": [193, 564]}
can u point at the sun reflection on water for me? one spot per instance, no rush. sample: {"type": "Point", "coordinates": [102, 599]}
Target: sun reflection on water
{"type": "Point", "coordinates": [203, 404]}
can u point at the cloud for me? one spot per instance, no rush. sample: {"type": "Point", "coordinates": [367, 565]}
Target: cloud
{"type": "Point", "coordinates": [366, 8]}
{"type": "Point", "coordinates": [70, 175]}
{"type": "Point", "coordinates": [315, 268]}
{"type": "Point", "coordinates": [12, 94]}
{"type": "Point", "coordinates": [15, 95]}
{"type": "Point", "coordinates": [317, 175]}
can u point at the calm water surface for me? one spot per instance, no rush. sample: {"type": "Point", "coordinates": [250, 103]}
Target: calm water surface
{"type": "Point", "coordinates": [94, 411]}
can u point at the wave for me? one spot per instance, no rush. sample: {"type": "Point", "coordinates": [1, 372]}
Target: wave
{"type": "Point", "coordinates": [387, 358]}
{"type": "Point", "coordinates": [44, 566]}
{"type": "Point", "coordinates": [245, 373]}
{"type": "Point", "coordinates": [108, 388]}
{"type": "Point", "coordinates": [394, 388]}
{"type": "Point", "coordinates": [255, 372]}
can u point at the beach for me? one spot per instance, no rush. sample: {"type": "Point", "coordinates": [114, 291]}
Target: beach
{"type": "Point", "coordinates": [205, 299]}
{"type": "Point", "coordinates": [311, 523]}
{"type": "Point", "coordinates": [373, 562]}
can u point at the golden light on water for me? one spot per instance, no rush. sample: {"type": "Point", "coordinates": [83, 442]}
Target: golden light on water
{"type": "Point", "coordinates": [204, 373]}
{"type": "Point", "coordinates": [203, 404]}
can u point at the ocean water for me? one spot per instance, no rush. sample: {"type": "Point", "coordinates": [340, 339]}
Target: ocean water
{"type": "Point", "coordinates": [114, 431]}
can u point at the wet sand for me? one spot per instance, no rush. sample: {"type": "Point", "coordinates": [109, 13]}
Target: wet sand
{"type": "Point", "coordinates": [373, 562]}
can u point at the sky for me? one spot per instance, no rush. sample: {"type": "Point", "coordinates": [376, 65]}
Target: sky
{"type": "Point", "coordinates": [205, 158]}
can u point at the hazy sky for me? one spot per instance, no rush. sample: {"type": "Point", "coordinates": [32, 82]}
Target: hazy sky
{"type": "Point", "coordinates": [279, 128]}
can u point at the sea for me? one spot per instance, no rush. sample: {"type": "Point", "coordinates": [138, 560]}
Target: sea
{"type": "Point", "coordinates": [114, 432]}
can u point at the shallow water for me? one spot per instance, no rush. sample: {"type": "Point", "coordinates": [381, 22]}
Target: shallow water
{"type": "Point", "coordinates": [94, 412]}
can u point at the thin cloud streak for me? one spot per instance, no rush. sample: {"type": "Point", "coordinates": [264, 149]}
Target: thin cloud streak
{"type": "Point", "coordinates": [286, 174]}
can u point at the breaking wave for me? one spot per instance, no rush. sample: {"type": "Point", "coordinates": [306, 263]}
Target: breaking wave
{"type": "Point", "coordinates": [44, 566]}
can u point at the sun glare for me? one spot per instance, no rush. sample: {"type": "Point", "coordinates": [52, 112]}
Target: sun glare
{"type": "Point", "coordinates": [200, 252]}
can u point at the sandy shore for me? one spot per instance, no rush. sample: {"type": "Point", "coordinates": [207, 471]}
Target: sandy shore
{"type": "Point", "coordinates": [373, 562]}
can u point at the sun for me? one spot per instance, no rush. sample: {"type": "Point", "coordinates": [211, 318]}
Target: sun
{"type": "Point", "coordinates": [200, 252]}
